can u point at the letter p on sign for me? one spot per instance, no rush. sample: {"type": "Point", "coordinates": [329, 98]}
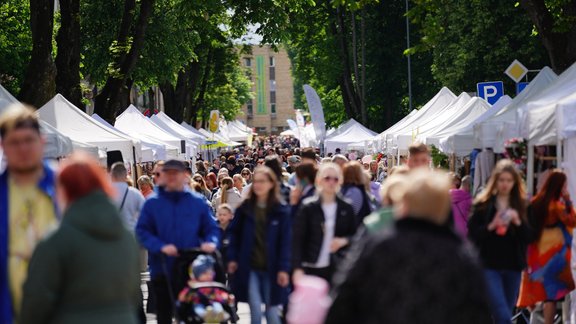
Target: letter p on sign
{"type": "Point", "coordinates": [490, 91]}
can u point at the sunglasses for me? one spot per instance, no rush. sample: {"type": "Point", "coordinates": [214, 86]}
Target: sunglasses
{"type": "Point", "coordinates": [328, 178]}
{"type": "Point", "coordinates": [245, 174]}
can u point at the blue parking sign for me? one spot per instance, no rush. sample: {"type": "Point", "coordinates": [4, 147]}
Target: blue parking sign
{"type": "Point", "coordinates": [521, 86]}
{"type": "Point", "coordinates": [490, 91]}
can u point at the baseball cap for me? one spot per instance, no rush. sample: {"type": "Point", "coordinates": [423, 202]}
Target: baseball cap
{"type": "Point", "coordinates": [294, 159]}
{"type": "Point", "coordinates": [174, 165]}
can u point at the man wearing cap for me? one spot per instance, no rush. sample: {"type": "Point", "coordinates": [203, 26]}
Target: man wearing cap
{"type": "Point", "coordinates": [293, 162]}
{"type": "Point", "coordinates": [173, 220]}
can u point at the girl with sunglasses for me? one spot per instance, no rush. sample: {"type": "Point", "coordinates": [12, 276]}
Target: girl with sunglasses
{"type": "Point", "coordinates": [323, 227]}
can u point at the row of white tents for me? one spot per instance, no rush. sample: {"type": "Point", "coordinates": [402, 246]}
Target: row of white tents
{"type": "Point", "coordinates": [544, 113]}
{"type": "Point", "coordinates": [137, 137]}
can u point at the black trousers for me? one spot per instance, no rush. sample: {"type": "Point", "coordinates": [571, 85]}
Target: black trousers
{"type": "Point", "coordinates": [164, 302]}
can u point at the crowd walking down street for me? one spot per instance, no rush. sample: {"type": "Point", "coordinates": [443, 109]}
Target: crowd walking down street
{"type": "Point", "coordinates": [271, 232]}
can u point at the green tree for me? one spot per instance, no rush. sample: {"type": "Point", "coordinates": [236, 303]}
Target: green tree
{"type": "Point", "coordinates": [460, 35]}
{"type": "Point", "coordinates": [555, 22]}
{"type": "Point", "coordinates": [15, 43]}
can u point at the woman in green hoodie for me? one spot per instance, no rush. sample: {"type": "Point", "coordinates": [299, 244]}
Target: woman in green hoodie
{"type": "Point", "coordinates": [87, 271]}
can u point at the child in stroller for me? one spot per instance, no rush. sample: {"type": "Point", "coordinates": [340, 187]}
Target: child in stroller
{"type": "Point", "coordinates": [203, 300]}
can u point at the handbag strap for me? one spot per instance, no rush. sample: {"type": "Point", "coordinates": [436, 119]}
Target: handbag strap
{"type": "Point", "coordinates": [124, 199]}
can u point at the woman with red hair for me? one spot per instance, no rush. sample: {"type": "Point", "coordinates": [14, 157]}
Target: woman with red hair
{"type": "Point", "coordinates": [88, 270]}
{"type": "Point", "coordinates": [548, 277]}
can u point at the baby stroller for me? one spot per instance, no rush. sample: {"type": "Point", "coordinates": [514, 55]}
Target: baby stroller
{"type": "Point", "coordinates": [185, 312]}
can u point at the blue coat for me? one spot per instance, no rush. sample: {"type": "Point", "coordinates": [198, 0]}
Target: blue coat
{"type": "Point", "coordinates": [47, 186]}
{"type": "Point", "coordinates": [278, 244]}
{"type": "Point", "coordinates": [180, 218]}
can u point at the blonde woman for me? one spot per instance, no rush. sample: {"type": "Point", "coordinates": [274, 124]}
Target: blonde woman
{"type": "Point", "coordinates": [323, 227]}
{"type": "Point", "coordinates": [227, 194]}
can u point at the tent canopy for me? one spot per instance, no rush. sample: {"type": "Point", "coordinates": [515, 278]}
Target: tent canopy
{"type": "Point", "coordinates": [538, 116]}
{"type": "Point", "coordinates": [443, 98]}
{"type": "Point", "coordinates": [461, 142]}
{"type": "Point", "coordinates": [354, 132]}
{"type": "Point", "coordinates": [215, 137]}
{"type": "Point", "coordinates": [74, 123]}
{"type": "Point", "coordinates": [431, 121]}
{"type": "Point", "coordinates": [152, 150]}
{"type": "Point", "coordinates": [57, 144]}
{"type": "Point", "coordinates": [493, 132]}
{"type": "Point", "coordinates": [168, 124]}
{"type": "Point", "coordinates": [133, 122]}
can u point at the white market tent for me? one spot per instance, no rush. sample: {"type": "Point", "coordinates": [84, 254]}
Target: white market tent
{"type": "Point", "coordinates": [169, 125]}
{"type": "Point", "coordinates": [241, 126]}
{"type": "Point", "coordinates": [354, 133]}
{"type": "Point", "coordinates": [430, 122]}
{"type": "Point", "coordinates": [461, 118]}
{"type": "Point", "coordinates": [536, 116]}
{"type": "Point", "coordinates": [192, 129]}
{"type": "Point", "coordinates": [443, 98]}
{"type": "Point", "coordinates": [462, 142]}
{"type": "Point", "coordinates": [216, 137]}
{"type": "Point", "coordinates": [74, 123]}
{"type": "Point", "coordinates": [152, 150]}
{"type": "Point", "coordinates": [341, 129]}
{"type": "Point", "coordinates": [235, 133]}
{"type": "Point", "coordinates": [133, 122]}
{"type": "Point", "coordinates": [493, 132]}
{"type": "Point", "coordinates": [288, 132]}
{"type": "Point", "coordinates": [57, 144]}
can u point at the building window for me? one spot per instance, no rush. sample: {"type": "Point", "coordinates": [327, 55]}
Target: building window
{"type": "Point", "coordinates": [272, 85]}
{"type": "Point", "coordinates": [273, 97]}
{"type": "Point", "coordinates": [274, 129]}
{"type": "Point", "coordinates": [273, 108]}
{"type": "Point", "coordinates": [272, 61]}
{"type": "Point", "coordinates": [247, 61]}
{"type": "Point", "coordinates": [260, 129]}
{"type": "Point", "coordinates": [272, 73]}
{"type": "Point", "coordinates": [250, 107]}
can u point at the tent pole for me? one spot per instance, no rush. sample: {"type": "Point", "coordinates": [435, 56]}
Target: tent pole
{"type": "Point", "coordinates": [530, 169]}
{"type": "Point", "coordinates": [559, 153]}
{"type": "Point", "coordinates": [135, 171]}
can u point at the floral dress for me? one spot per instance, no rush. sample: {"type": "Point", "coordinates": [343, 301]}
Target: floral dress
{"type": "Point", "coordinates": [548, 276]}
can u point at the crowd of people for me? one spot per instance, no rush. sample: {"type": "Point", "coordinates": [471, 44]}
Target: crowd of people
{"type": "Point", "coordinates": [395, 244]}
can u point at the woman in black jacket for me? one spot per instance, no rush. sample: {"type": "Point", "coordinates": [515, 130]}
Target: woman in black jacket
{"type": "Point", "coordinates": [323, 227]}
{"type": "Point", "coordinates": [499, 229]}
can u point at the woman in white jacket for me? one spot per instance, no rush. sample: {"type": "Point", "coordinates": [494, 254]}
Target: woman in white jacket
{"type": "Point", "coordinates": [227, 195]}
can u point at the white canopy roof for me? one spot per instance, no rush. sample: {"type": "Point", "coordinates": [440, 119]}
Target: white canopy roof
{"type": "Point", "coordinates": [353, 133]}
{"type": "Point", "coordinates": [240, 125]}
{"type": "Point", "coordinates": [236, 133]}
{"type": "Point", "coordinates": [538, 117]}
{"type": "Point", "coordinates": [169, 125]}
{"type": "Point", "coordinates": [431, 121]}
{"type": "Point", "coordinates": [133, 122]}
{"type": "Point", "coordinates": [214, 136]}
{"type": "Point", "coordinates": [493, 132]}
{"type": "Point", "coordinates": [152, 150]}
{"type": "Point", "coordinates": [462, 141]}
{"type": "Point", "coordinates": [74, 123]}
{"type": "Point", "coordinates": [57, 144]}
{"type": "Point", "coordinates": [443, 98]}
{"type": "Point", "coordinates": [288, 132]}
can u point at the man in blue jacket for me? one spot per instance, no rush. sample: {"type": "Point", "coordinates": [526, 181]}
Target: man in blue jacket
{"type": "Point", "coordinates": [27, 203]}
{"type": "Point", "coordinates": [173, 219]}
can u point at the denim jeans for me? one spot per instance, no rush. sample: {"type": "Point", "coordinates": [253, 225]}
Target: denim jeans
{"type": "Point", "coordinates": [259, 291]}
{"type": "Point", "coordinates": [503, 287]}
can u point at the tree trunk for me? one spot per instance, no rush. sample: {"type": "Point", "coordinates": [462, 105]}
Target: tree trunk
{"type": "Point", "coordinates": [68, 58]}
{"type": "Point", "coordinates": [363, 109]}
{"type": "Point", "coordinates": [151, 99]}
{"type": "Point", "coordinates": [108, 102]}
{"type": "Point", "coordinates": [39, 84]}
{"type": "Point", "coordinates": [351, 97]}
{"type": "Point", "coordinates": [561, 46]}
